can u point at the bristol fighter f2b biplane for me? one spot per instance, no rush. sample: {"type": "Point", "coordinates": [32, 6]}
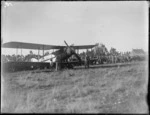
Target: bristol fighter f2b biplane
{"type": "Point", "coordinates": [59, 58]}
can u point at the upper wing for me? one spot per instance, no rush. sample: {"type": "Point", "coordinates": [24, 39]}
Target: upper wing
{"type": "Point", "coordinates": [24, 45]}
{"type": "Point", "coordinates": [84, 46]}
{"type": "Point", "coordinates": [30, 46]}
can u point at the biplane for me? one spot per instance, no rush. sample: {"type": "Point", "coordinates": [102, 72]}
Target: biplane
{"type": "Point", "coordinates": [57, 59]}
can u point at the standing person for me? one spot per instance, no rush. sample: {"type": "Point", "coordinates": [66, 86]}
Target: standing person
{"type": "Point", "coordinates": [57, 63]}
{"type": "Point", "coordinates": [115, 58]}
{"type": "Point", "coordinates": [51, 63]}
{"type": "Point", "coordinates": [86, 61]}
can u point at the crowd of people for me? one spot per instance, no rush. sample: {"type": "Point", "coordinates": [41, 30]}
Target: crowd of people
{"type": "Point", "coordinates": [18, 58]}
{"type": "Point", "coordinates": [100, 57]}
{"type": "Point", "coordinates": [107, 58]}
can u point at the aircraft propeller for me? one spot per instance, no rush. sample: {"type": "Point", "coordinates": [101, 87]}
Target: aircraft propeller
{"type": "Point", "coordinates": [66, 43]}
{"type": "Point", "coordinates": [70, 50]}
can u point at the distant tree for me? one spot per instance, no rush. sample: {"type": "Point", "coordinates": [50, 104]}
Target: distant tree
{"type": "Point", "coordinates": [4, 58]}
{"type": "Point", "coordinates": [113, 51]}
{"type": "Point", "coordinates": [82, 54]}
{"type": "Point", "coordinates": [100, 49]}
{"type": "Point", "coordinates": [90, 53]}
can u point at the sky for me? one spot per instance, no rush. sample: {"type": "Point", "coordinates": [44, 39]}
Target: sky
{"type": "Point", "coordinates": [119, 24]}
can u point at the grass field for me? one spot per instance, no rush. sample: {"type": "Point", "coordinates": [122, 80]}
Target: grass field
{"type": "Point", "coordinates": [100, 90]}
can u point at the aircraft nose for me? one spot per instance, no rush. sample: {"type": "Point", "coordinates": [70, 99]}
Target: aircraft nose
{"type": "Point", "coordinates": [73, 50]}
{"type": "Point", "coordinates": [68, 51]}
